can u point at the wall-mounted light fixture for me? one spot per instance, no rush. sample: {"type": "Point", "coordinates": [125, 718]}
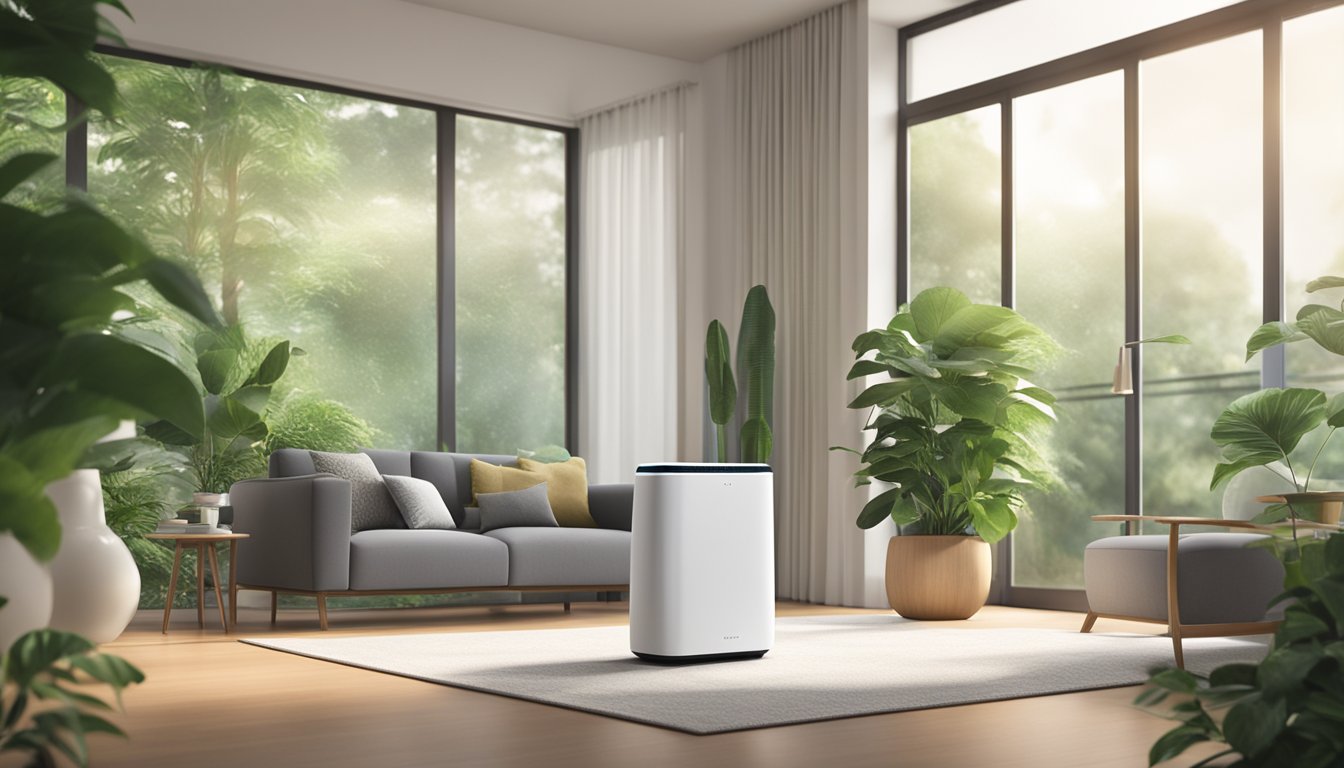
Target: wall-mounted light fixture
{"type": "Point", "coordinates": [1122, 381]}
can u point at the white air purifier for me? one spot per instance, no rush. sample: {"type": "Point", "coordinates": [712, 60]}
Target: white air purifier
{"type": "Point", "coordinates": [702, 562]}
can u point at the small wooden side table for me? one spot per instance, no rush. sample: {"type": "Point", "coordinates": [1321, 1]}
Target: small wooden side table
{"type": "Point", "coordinates": [204, 544]}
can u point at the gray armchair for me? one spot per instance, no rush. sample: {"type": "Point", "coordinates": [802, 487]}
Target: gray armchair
{"type": "Point", "coordinates": [1198, 584]}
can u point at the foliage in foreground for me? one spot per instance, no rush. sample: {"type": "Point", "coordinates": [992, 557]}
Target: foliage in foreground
{"type": "Point", "coordinates": [50, 668]}
{"type": "Point", "coordinates": [1288, 710]}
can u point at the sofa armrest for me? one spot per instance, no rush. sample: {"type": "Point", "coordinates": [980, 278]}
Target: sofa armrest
{"type": "Point", "coordinates": [612, 505]}
{"type": "Point", "coordinates": [299, 529]}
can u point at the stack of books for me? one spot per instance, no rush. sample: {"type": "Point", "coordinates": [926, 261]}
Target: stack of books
{"type": "Point", "coordinates": [182, 526]}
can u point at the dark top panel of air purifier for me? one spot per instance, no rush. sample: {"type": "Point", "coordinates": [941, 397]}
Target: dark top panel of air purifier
{"type": "Point", "coordinates": [701, 469]}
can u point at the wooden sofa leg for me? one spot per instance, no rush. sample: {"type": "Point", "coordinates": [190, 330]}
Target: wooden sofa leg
{"type": "Point", "coordinates": [566, 606]}
{"type": "Point", "coordinates": [275, 604]}
{"type": "Point", "coordinates": [322, 610]}
{"type": "Point", "coordinates": [1088, 622]}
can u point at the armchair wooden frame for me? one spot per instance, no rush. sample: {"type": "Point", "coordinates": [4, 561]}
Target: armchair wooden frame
{"type": "Point", "coordinates": [1175, 629]}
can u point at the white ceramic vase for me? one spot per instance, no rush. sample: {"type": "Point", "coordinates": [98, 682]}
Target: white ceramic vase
{"type": "Point", "coordinates": [27, 585]}
{"type": "Point", "coordinates": [97, 586]}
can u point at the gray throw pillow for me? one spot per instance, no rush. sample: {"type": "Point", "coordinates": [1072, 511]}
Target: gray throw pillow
{"type": "Point", "coordinates": [471, 520]}
{"type": "Point", "coordinates": [371, 506]}
{"type": "Point", "coordinates": [528, 508]}
{"type": "Point", "coordinates": [419, 502]}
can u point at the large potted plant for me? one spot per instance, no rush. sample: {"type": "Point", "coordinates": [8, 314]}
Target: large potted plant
{"type": "Point", "coordinates": [756, 363]}
{"type": "Point", "coordinates": [1267, 426]}
{"type": "Point", "coordinates": [954, 431]}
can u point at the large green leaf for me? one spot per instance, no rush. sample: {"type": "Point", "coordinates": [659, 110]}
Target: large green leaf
{"type": "Point", "coordinates": [180, 287]}
{"type": "Point", "coordinates": [1252, 724]}
{"type": "Point", "coordinates": [1323, 283]}
{"type": "Point", "coordinates": [933, 307]}
{"type": "Point", "coordinates": [1326, 328]}
{"type": "Point", "coordinates": [719, 375]}
{"type": "Point", "coordinates": [216, 366]}
{"type": "Point", "coordinates": [883, 394]}
{"type": "Point", "coordinates": [878, 508]}
{"type": "Point", "coordinates": [19, 168]}
{"type": "Point", "coordinates": [272, 367]}
{"type": "Point", "coordinates": [756, 364]}
{"type": "Point", "coordinates": [141, 380]}
{"type": "Point", "coordinates": [26, 512]}
{"type": "Point", "coordinates": [863, 368]}
{"type": "Point", "coordinates": [35, 652]}
{"type": "Point", "coordinates": [231, 419]}
{"type": "Point", "coordinates": [1266, 426]}
{"type": "Point", "coordinates": [1272, 334]}
{"type": "Point", "coordinates": [757, 441]}
{"type": "Point", "coordinates": [977, 325]}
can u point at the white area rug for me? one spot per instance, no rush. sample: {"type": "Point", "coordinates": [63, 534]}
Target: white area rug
{"type": "Point", "coordinates": [820, 668]}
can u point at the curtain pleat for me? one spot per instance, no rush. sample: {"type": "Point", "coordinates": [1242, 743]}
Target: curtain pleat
{"type": "Point", "coordinates": [798, 145]}
{"type": "Point", "coordinates": [632, 248]}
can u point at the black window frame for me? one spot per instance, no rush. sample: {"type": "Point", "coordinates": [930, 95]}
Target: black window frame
{"type": "Point", "coordinates": [77, 176]}
{"type": "Point", "coordinates": [1125, 55]}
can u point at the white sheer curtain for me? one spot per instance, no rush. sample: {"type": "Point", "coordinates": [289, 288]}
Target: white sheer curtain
{"type": "Point", "coordinates": [632, 247]}
{"type": "Point", "coordinates": [798, 147]}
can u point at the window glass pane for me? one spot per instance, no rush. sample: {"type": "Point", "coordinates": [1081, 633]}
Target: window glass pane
{"type": "Point", "coordinates": [311, 216]}
{"type": "Point", "coordinates": [1069, 187]}
{"type": "Point", "coordinates": [29, 109]}
{"type": "Point", "coordinates": [1313, 199]}
{"type": "Point", "coordinates": [510, 201]}
{"type": "Point", "coordinates": [1202, 258]}
{"type": "Point", "coordinates": [955, 191]}
{"type": "Point", "coordinates": [1030, 32]}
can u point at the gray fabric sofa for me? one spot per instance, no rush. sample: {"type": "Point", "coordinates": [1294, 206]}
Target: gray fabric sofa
{"type": "Point", "coordinates": [300, 541]}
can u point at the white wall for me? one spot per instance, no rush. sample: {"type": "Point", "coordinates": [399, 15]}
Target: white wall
{"type": "Point", "coordinates": [400, 49]}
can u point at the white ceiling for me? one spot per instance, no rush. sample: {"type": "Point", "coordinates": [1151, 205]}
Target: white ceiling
{"type": "Point", "coordinates": [692, 30]}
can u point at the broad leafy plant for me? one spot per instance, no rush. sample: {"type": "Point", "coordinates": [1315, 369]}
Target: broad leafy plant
{"type": "Point", "coordinates": [1268, 425]}
{"type": "Point", "coordinates": [956, 425]}
{"type": "Point", "coordinates": [49, 669]}
{"type": "Point", "coordinates": [67, 376]}
{"type": "Point", "coordinates": [235, 392]}
{"type": "Point", "coordinates": [1288, 710]}
{"type": "Point", "coordinates": [756, 364]}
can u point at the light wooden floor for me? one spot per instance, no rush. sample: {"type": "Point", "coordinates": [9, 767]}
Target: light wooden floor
{"type": "Point", "coordinates": [211, 701]}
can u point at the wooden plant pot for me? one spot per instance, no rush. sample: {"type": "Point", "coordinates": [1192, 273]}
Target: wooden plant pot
{"type": "Point", "coordinates": [1314, 506]}
{"type": "Point", "coordinates": [937, 577]}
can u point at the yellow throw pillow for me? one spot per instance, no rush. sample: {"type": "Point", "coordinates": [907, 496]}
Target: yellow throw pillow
{"type": "Point", "coordinates": [566, 489]}
{"type": "Point", "coordinates": [492, 478]}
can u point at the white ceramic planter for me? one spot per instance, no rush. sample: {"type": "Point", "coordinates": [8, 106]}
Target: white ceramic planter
{"type": "Point", "coordinates": [27, 585]}
{"type": "Point", "coordinates": [97, 586]}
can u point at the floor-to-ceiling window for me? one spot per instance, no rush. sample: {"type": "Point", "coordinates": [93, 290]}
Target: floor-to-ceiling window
{"type": "Point", "coordinates": [328, 218]}
{"type": "Point", "coordinates": [1140, 178]}
{"type": "Point", "coordinates": [1069, 218]}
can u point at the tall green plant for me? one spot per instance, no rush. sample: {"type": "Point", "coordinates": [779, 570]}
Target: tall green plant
{"type": "Point", "coordinates": [722, 387]}
{"type": "Point", "coordinates": [67, 375]}
{"type": "Point", "coordinates": [756, 361]}
{"type": "Point", "coordinates": [756, 364]}
{"type": "Point", "coordinates": [957, 423]}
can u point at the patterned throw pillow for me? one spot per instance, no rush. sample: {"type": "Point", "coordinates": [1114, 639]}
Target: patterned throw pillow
{"type": "Point", "coordinates": [371, 506]}
{"type": "Point", "coordinates": [527, 508]}
{"type": "Point", "coordinates": [419, 502]}
{"type": "Point", "coordinates": [567, 482]}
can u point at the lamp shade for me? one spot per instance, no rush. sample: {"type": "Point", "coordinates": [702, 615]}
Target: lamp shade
{"type": "Point", "coordinates": [1122, 383]}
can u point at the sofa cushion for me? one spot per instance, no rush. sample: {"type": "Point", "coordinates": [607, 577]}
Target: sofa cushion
{"type": "Point", "coordinates": [439, 469]}
{"type": "Point", "coordinates": [420, 503]}
{"type": "Point", "coordinates": [1222, 579]}
{"type": "Point", "coordinates": [291, 462]}
{"type": "Point", "coordinates": [492, 478]}
{"type": "Point", "coordinates": [516, 509]}
{"type": "Point", "coordinates": [543, 557]}
{"type": "Point", "coordinates": [427, 559]}
{"type": "Point", "coordinates": [371, 506]}
{"type": "Point", "coordinates": [567, 489]}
